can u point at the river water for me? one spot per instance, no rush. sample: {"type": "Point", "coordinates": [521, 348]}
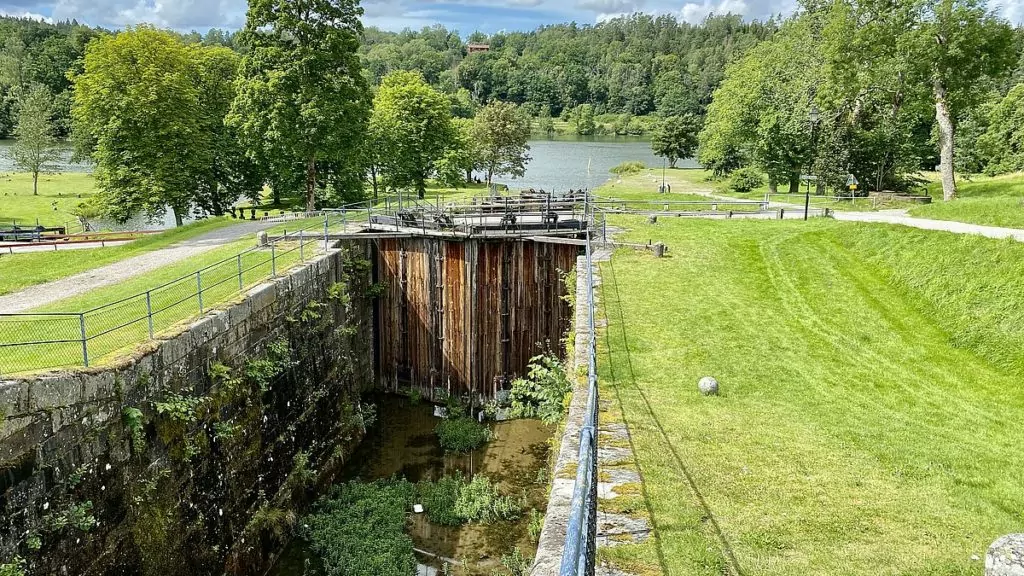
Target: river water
{"type": "Point", "coordinates": [562, 163]}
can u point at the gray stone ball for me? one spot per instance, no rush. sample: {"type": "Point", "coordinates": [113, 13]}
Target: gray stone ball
{"type": "Point", "coordinates": [708, 386]}
{"type": "Point", "coordinates": [1006, 556]}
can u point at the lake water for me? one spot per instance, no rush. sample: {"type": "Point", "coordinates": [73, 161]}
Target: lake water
{"type": "Point", "coordinates": [65, 164]}
{"type": "Point", "coordinates": [564, 163]}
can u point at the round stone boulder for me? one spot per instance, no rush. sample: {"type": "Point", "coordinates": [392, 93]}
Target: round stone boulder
{"type": "Point", "coordinates": [1006, 556]}
{"type": "Point", "coordinates": [708, 386]}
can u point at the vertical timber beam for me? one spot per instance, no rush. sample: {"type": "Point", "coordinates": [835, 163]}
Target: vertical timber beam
{"type": "Point", "coordinates": [506, 312]}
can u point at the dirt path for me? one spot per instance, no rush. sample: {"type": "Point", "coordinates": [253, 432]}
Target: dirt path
{"type": "Point", "coordinates": [43, 294]}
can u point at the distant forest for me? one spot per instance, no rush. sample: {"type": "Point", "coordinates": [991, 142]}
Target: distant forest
{"type": "Point", "coordinates": [640, 65]}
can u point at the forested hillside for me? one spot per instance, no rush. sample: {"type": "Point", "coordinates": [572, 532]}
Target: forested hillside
{"type": "Point", "coordinates": [637, 65]}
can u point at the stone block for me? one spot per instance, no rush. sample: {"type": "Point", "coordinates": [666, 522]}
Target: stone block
{"type": "Point", "coordinates": [1005, 556]}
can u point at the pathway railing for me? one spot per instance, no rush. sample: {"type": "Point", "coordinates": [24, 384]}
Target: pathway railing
{"type": "Point", "coordinates": [578, 558]}
{"type": "Point", "coordinates": [41, 340]}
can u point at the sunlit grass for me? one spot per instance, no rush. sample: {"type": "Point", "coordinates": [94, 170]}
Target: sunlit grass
{"type": "Point", "coordinates": [869, 417]}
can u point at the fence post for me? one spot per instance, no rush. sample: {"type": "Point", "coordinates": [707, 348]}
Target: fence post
{"type": "Point", "coordinates": [85, 341]}
{"type": "Point", "coordinates": [302, 246]}
{"type": "Point", "coordinates": [149, 313]}
{"type": "Point", "coordinates": [344, 221]}
{"type": "Point", "coordinates": [327, 241]}
{"type": "Point", "coordinates": [240, 287]}
{"type": "Point", "coordinates": [273, 261]}
{"type": "Point", "coordinates": [199, 286]}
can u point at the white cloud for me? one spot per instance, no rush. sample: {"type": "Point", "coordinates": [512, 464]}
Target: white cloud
{"type": "Point", "coordinates": [696, 13]}
{"type": "Point", "coordinates": [25, 14]}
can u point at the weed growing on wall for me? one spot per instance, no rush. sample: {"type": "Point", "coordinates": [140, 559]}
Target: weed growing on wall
{"type": "Point", "coordinates": [359, 529]}
{"type": "Point", "coordinates": [535, 526]}
{"type": "Point", "coordinates": [544, 393]}
{"type": "Point", "coordinates": [133, 421]}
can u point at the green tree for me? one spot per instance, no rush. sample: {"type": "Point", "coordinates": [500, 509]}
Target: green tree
{"type": "Point", "coordinates": [302, 98]}
{"type": "Point", "coordinates": [137, 111]}
{"type": "Point", "coordinates": [228, 174]}
{"type": "Point", "coordinates": [961, 46]}
{"type": "Point", "coordinates": [36, 149]}
{"type": "Point", "coordinates": [501, 132]}
{"type": "Point", "coordinates": [583, 118]}
{"type": "Point", "coordinates": [455, 168]}
{"type": "Point", "coordinates": [414, 124]}
{"type": "Point", "coordinates": [1001, 146]}
{"type": "Point", "coordinates": [676, 138]}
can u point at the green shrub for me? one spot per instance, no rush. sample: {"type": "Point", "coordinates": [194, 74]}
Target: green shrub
{"type": "Point", "coordinates": [358, 529]}
{"type": "Point", "coordinates": [543, 393]}
{"type": "Point", "coordinates": [515, 564]}
{"type": "Point", "coordinates": [480, 501]}
{"type": "Point", "coordinates": [439, 498]}
{"type": "Point", "coordinates": [629, 168]}
{"type": "Point", "coordinates": [745, 179]}
{"type": "Point", "coordinates": [462, 434]}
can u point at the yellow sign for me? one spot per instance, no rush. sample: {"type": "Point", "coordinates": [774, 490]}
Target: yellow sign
{"type": "Point", "coordinates": [853, 186]}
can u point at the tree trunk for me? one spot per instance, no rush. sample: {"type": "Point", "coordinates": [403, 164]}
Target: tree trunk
{"type": "Point", "coordinates": [179, 219]}
{"type": "Point", "coordinates": [945, 122]}
{"type": "Point", "coordinates": [215, 205]}
{"type": "Point", "coordinates": [311, 185]}
{"type": "Point", "coordinates": [773, 186]}
{"type": "Point", "coordinates": [275, 189]}
{"type": "Point", "coordinates": [421, 187]}
{"type": "Point", "coordinates": [469, 175]}
{"type": "Point", "coordinates": [794, 184]}
{"type": "Point", "coordinates": [672, 163]}
{"type": "Point", "coordinates": [819, 187]}
{"type": "Point", "coordinates": [373, 176]}
{"type": "Point", "coordinates": [35, 183]}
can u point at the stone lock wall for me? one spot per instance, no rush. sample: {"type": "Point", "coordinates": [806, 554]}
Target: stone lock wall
{"type": "Point", "coordinates": [197, 454]}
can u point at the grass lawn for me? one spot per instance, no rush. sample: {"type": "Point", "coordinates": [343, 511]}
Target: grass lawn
{"type": "Point", "coordinates": [869, 421]}
{"type": "Point", "coordinates": [66, 191]}
{"type": "Point", "coordinates": [995, 201]}
{"type": "Point", "coordinates": [18, 271]}
{"type": "Point", "coordinates": [122, 322]}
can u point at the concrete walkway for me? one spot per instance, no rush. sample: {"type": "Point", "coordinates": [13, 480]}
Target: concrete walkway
{"type": "Point", "coordinates": [43, 294]}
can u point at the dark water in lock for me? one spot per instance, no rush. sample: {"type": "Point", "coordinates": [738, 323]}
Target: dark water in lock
{"type": "Point", "coordinates": [402, 443]}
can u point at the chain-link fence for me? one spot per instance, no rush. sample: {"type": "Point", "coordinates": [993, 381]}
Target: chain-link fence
{"type": "Point", "coordinates": [34, 341]}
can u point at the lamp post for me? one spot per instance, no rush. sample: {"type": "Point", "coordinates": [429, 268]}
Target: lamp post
{"type": "Point", "coordinates": [814, 116]}
{"type": "Point", "coordinates": [664, 168]}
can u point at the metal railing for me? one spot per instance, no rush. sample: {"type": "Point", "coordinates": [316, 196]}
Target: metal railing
{"type": "Point", "coordinates": [41, 340]}
{"type": "Point", "coordinates": [578, 558]}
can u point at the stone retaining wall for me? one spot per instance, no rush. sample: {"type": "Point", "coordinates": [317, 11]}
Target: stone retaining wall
{"type": "Point", "coordinates": [195, 454]}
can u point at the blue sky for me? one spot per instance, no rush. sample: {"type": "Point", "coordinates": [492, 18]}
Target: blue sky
{"type": "Point", "coordinates": [463, 15]}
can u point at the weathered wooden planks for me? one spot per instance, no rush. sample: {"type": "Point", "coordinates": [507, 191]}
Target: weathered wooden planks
{"type": "Point", "coordinates": [467, 315]}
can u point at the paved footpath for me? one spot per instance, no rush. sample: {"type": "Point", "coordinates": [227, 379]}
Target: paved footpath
{"type": "Point", "coordinates": [43, 294]}
{"type": "Point", "coordinates": [900, 217]}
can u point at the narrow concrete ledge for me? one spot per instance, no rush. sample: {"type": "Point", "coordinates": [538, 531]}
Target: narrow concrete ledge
{"type": "Point", "coordinates": [556, 520]}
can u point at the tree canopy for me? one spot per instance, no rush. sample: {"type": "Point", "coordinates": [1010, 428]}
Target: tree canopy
{"type": "Point", "coordinates": [303, 103]}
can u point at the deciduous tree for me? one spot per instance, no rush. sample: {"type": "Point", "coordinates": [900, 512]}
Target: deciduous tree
{"type": "Point", "coordinates": [137, 108]}
{"type": "Point", "coordinates": [414, 125]}
{"type": "Point", "coordinates": [501, 132]}
{"type": "Point", "coordinates": [36, 149]}
{"type": "Point", "coordinates": [676, 138]}
{"type": "Point", "coordinates": [302, 98]}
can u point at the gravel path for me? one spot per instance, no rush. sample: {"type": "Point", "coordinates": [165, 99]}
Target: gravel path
{"type": "Point", "coordinates": [43, 294]}
{"type": "Point", "coordinates": [900, 217]}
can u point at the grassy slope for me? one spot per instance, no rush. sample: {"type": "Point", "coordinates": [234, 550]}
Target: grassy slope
{"type": "Point", "coordinates": [18, 271]}
{"type": "Point", "coordinates": [997, 201]}
{"type": "Point", "coordinates": [871, 400]}
{"type": "Point", "coordinates": [66, 190]}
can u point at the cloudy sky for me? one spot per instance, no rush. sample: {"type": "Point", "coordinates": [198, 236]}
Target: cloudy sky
{"type": "Point", "coordinates": [463, 15]}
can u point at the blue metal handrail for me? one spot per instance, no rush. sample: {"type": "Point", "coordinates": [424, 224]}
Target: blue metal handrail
{"type": "Point", "coordinates": [578, 559]}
